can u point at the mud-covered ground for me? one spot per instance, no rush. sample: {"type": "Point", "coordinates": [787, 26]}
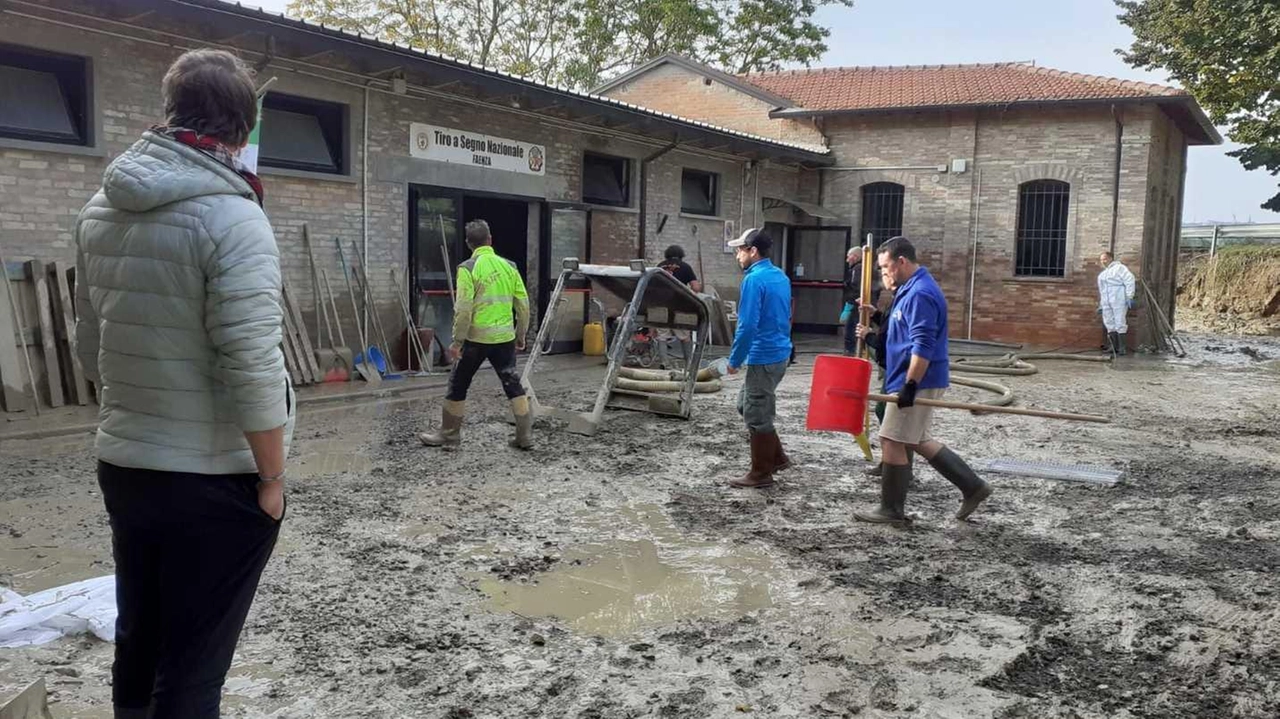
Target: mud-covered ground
{"type": "Point", "coordinates": [617, 576]}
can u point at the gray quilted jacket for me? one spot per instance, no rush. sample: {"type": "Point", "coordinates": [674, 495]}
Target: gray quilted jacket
{"type": "Point", "coordinates": [179, 315]}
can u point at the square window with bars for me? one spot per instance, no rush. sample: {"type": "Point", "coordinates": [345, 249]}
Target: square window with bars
{"type": "Point", "coordinates": [1042, 228]}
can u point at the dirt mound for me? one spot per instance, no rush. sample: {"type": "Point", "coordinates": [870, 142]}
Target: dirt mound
{"type": "Point", "coordinates": [1237, 290]}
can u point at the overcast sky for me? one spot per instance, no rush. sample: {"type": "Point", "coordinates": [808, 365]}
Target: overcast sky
{"type": "Point", "coordinates": [1074, 35]}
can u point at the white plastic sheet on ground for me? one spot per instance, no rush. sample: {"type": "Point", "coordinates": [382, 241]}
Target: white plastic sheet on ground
{"type": "Point", "coordinates": [88, 606]}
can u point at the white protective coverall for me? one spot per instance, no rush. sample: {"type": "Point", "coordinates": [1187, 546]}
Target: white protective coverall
{"type": "Point", "coordinates": [1116, 288]}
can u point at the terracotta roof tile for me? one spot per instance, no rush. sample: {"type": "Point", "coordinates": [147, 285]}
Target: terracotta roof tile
{"type": "Point", "coordinates": [881, 88]}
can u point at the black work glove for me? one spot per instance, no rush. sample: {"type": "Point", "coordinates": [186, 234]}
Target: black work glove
{"type": "Point", "coordinates": [907, 395]}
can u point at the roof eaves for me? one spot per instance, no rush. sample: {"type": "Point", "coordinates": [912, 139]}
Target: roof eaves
{"type": "Point", "coordinates": [888, 109]}
{"type": "Point", "coordinates": [819, 153]}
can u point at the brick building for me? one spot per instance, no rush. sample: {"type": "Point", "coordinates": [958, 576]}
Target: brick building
{"type": "Point", "coordinates": [1011, 178]}
{"type": "Point", "coordinates": [382, 147]}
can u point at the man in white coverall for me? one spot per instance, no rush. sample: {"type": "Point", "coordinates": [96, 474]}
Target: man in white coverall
{"type": "Point", "coordinates": [1115, 298]}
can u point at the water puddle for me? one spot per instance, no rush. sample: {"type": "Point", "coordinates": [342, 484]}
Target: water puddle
{"type": "Point", "coordinates": [650, 576]}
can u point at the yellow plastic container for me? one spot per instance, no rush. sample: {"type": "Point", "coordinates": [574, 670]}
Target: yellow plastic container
{"type": "Point", "coordinates": [593, 339]}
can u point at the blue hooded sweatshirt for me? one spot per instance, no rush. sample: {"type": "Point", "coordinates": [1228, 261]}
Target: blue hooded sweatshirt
{"type": "Point", "coordinates": [917, 324]}
{"type": "Point", "coordinates": [764, 317]}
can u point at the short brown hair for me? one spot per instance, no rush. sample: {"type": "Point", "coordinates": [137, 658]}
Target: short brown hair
{"type": "Point", "coordinates": [211, 92]}
{"type": "Point", "coordinates": [477, 233]}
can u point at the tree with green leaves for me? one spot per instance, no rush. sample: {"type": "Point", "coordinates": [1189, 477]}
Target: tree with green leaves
{"type": "Point", "coordinates": [1227, 53]}
{"type": "Point", "coordinates": [581, 43]}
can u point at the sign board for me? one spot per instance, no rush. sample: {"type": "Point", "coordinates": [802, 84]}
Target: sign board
{"type": "Point", "coordinates": [730, 233]}
{"type": "Point", "coordinates": [463, 147]}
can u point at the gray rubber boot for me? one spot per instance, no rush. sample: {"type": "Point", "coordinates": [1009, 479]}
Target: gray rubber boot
{"type": "Point", "coordinates": [1121, 341]}
{"type": "Point", "coordinates": [450, 432]}
{"type": "Point", "coordinates": [878, 470]}
{"type": "Point", "coordinates": [893, 497]}
{"type": "Point", "coordinates": [524, 424]}
{"type": "Point", "coordinates": [971, 486]}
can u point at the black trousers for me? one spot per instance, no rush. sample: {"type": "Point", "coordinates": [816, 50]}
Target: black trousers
{"type": "Point", "coordinates": [189, 550]}
{"type": "Point", "coordinates": [501, 356]}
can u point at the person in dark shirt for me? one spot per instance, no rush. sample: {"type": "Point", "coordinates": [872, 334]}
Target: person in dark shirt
{"type": "Point", "coordinates": [674, 263]}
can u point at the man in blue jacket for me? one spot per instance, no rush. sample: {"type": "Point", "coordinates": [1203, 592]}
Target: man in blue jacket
{"type": "Point", "coordinates": [916, 367]}
{"type": "Point", "coordinates": [763, 344]}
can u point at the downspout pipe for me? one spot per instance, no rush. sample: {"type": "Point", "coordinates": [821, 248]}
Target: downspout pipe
{"type": "Point", "coordinates": [644, 191]}
{"type": "Point", "coordinates": [1115, 181]}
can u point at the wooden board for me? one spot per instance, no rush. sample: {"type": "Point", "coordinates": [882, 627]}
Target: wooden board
{"type": "Point", "coordinates": [12, 375]}
{"type": "Point", "coordinates": [66, 312]}
{"type": "Point", "coordinates": [290, 356]}
{"type": "Point", "coordinates": [48, 337]}
{"type": "Point", "coordinates": [299, 359]}
{"type": "Point", "coordinates": [304, 337]}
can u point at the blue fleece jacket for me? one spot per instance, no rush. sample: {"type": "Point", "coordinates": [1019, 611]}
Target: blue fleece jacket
{"type": "Point", "coordinates": [764, 317]}
{"type": "Point", "coordinates": [917, 325]}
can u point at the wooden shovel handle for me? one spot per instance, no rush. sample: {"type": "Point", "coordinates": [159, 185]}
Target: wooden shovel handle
{"type": "Point", "coordinates": [974, 407]}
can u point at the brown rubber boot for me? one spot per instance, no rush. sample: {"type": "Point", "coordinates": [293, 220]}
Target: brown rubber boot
{"type": "Point", "coordinates": [971, 486]}
{"type": "Point", "coordinates": [524, 424]}
{"type": "Point", "coordinates": [781, 462]}
{"type": "Point", "coordinates": [450, 432]}
{"type": "Point", "coordinates": [893, 497]}
{"type": "Point", "coordinates": [762, 458]}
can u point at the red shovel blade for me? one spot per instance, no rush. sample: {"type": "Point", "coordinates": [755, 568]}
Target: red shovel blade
{"type": "Point", "coordinates": [838, 394]}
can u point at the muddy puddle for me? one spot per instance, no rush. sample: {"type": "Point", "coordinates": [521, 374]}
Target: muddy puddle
{"type": "Point", "coordinates": [651, 576]}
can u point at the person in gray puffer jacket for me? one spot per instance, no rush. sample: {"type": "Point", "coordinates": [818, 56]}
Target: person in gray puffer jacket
{"type": "Point", "coordinates": [178, 290]}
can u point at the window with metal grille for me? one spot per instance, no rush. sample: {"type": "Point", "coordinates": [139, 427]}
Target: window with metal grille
{"type": "Point", "coordinates": [44, 96]}
{"type": "Point", "coordinates": [606, 180]}
{"type": "Point", "coordinates": [1042, 228]}
{"type": "Point", "coordinates": [698, 192]}
{"type": "Point", "coordinates": [881, 211]}
{"type": "Point", "coordinates": [299, 133]}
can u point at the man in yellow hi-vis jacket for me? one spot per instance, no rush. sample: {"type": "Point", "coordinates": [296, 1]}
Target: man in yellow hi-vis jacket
{"type": "Point", "coordinates": [490, 320]}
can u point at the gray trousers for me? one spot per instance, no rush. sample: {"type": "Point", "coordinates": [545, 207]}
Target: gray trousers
{"type": "Point", "coordinates": [756, 400]}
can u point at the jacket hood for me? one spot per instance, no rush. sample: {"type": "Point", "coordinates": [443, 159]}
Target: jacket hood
{"type": "Point", "coordinates": [159, 170]}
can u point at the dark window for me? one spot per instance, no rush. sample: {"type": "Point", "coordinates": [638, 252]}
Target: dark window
{"type": "Point", "coordinates": [1042, 228]}
{"type": "Point", "coordinates": [44, 96]}
{"type": "Point", "coordinates": [881, 211]}
{"type": "Point", "coordinates": [698, 192]}
{"type": "Point", "coordinates": [302, 134]}
{"type": "Point", "coordinates": [606, 180]}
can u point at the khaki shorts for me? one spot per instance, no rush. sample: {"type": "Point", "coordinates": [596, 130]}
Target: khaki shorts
{"type": "Point", "coordinates": [910, 426]}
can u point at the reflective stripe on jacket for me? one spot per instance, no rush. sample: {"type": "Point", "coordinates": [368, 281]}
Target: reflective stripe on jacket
{"type": "Point", "coordinates": [492, 305]}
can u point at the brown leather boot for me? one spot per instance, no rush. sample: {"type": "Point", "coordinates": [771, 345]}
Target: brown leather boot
{"type": "Point", "coordinates": [762, 454]}
{"type": "Point", "coordinates": [781, 462]}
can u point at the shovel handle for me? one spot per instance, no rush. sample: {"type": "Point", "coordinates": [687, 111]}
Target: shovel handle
{"type": "Point", "coordinates": [974, 407]}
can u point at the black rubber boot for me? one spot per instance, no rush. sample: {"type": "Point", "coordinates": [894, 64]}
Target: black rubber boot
{"type": "Point", "coordinates": [1121, 341]}
{"type": "Point", "coordinates": [893, 497]}
{"type": "Point", "coordinates": [878, 470]}
{"type": "Point", "coordinates": [1114, 345]}
{"type": "Point", "coordinates": [974, 489]}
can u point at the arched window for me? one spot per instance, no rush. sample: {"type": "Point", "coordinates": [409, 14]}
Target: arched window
{"type": "Point", "coordinates": [1042, 228]}
{"type": "Point", "coordinates": [881, 211]}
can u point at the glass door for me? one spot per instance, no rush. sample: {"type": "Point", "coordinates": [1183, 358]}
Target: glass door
{"type": "Point", "coordinates": [567, 233]}
{"type": "Point", "coordinates": [435, 221]}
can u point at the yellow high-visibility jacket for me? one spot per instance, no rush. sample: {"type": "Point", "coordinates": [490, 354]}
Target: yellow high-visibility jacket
{"type": "Point", "coordinates": [491, 306]}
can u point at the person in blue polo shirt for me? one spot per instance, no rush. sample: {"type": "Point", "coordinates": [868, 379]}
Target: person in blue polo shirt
{"type": "Point", "coordinates": [762, 344]}
{"type": "Point", "coordinates": [916, 367]}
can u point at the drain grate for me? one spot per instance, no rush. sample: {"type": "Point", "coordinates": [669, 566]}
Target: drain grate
{"type": "Point", "coordinates": [1048, 470]}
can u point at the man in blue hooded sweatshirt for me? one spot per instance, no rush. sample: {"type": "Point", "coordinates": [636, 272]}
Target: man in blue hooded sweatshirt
{"type": "Point", "coordinates": [916, 366]}
{"type": "Point", "coordinates": [763, 344]}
